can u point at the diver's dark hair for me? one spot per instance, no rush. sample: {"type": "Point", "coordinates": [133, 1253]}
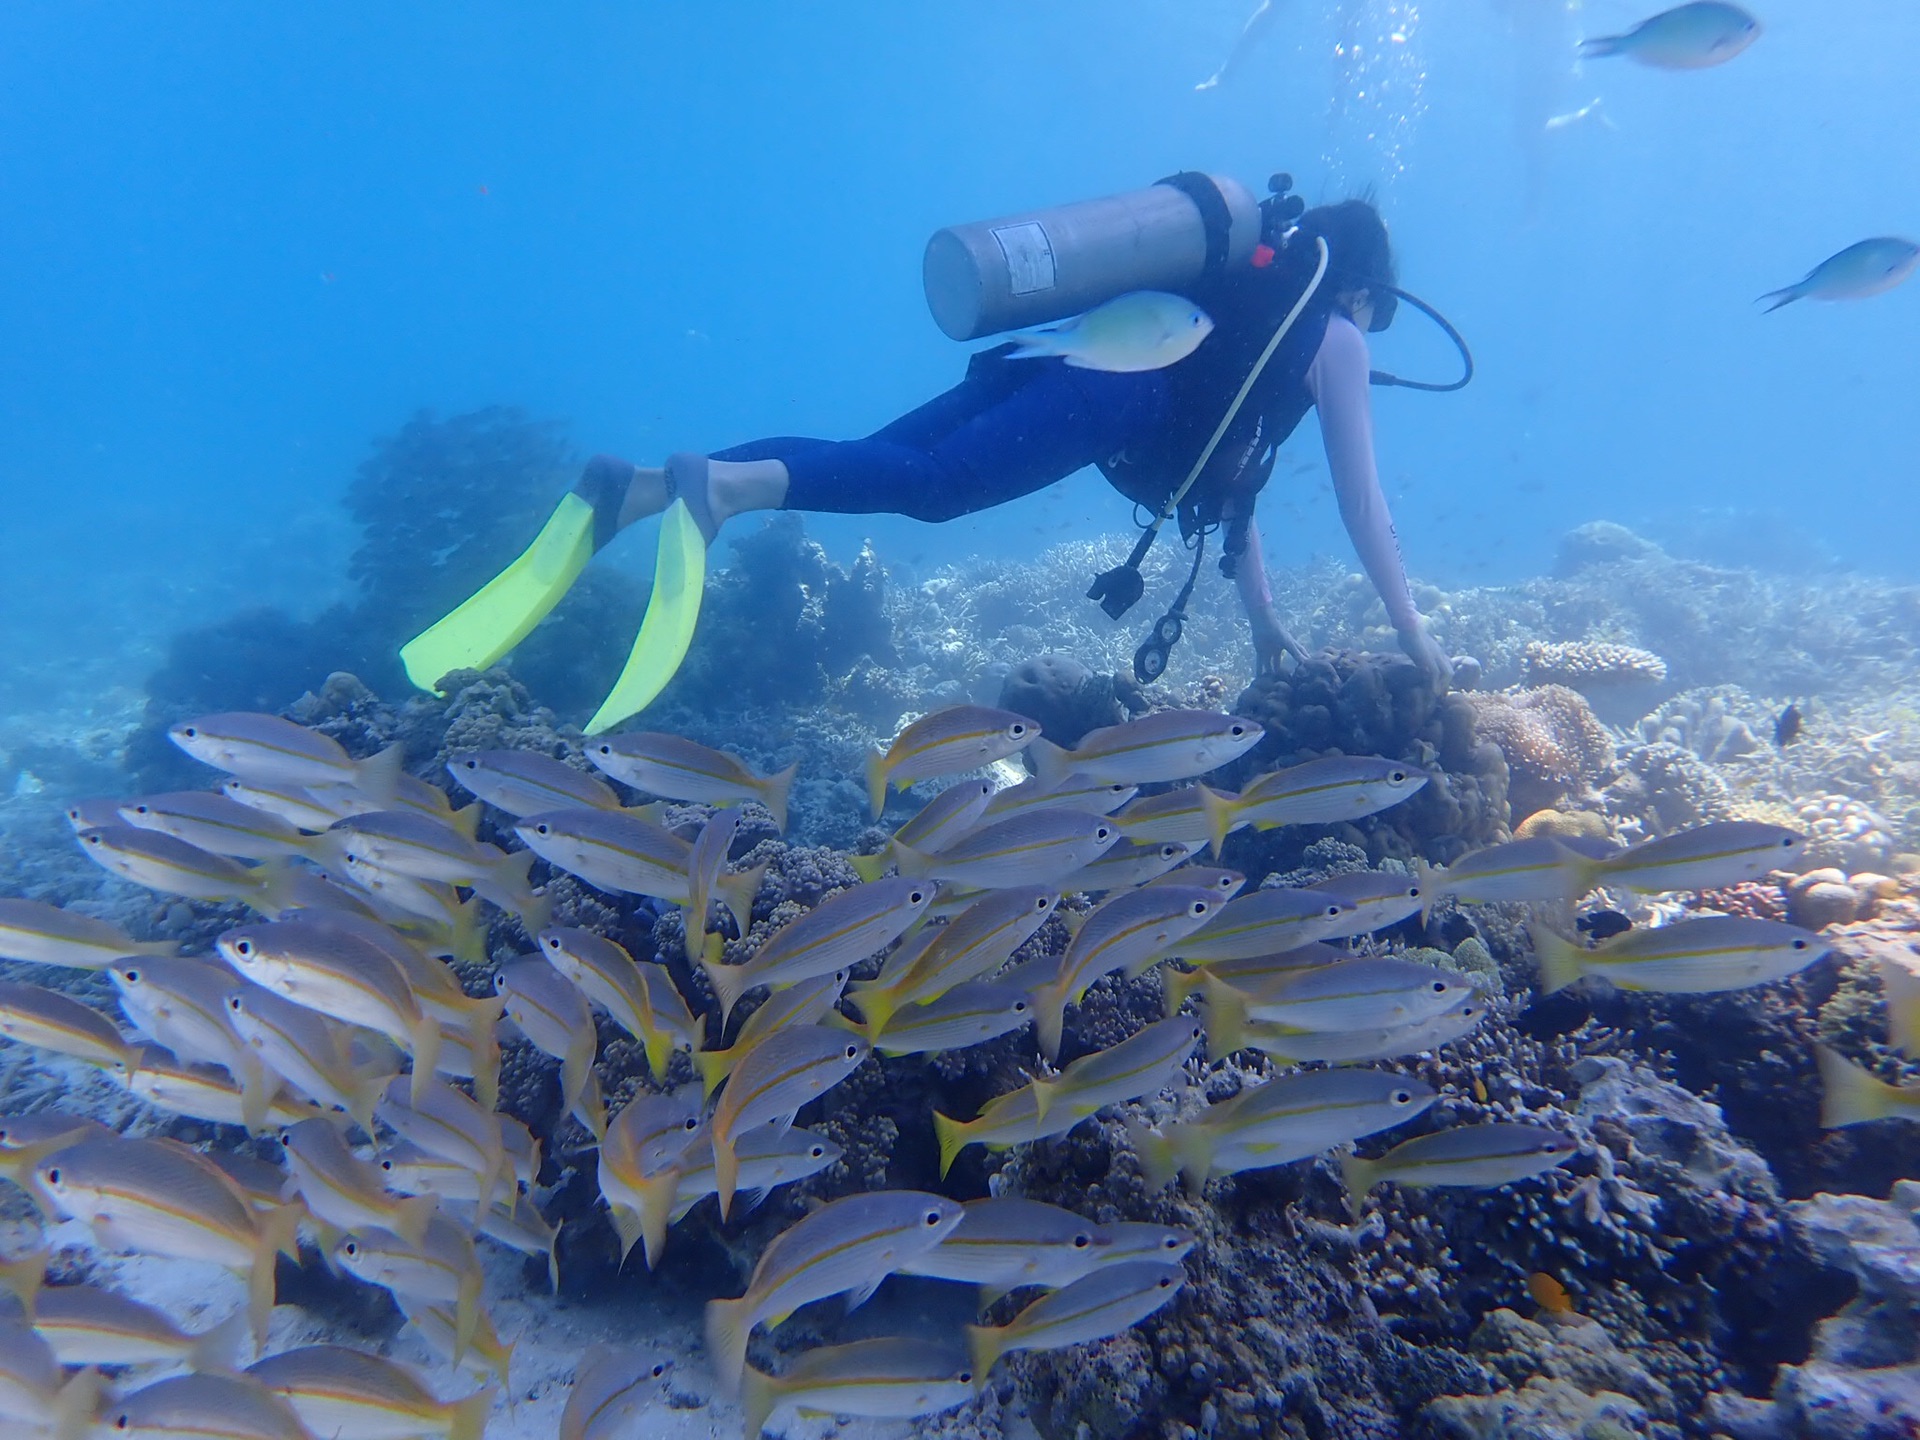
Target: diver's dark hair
{"type": "Point", "coordinates": [1358, 251]}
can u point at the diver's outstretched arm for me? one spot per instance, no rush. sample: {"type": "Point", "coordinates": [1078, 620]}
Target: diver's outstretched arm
{"type": "Point", "coordinates": [1270, 638]}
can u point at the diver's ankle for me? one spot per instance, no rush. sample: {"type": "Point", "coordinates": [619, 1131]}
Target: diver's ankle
{"type": "Point", "coordinates": [737, 486]}
{"type": "Point", "coordinates": [646, 495]}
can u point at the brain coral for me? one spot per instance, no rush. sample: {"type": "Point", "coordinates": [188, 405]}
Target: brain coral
{"type": "Point", "coordinates": [1554, 745]}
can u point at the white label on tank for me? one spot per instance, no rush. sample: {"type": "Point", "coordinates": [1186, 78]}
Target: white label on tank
{"type": "Point", "coordinates": [1029, 257]}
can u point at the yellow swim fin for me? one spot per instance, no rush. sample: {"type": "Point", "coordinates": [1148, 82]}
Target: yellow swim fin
{"type": "Point", "coordinates": [679, 582]}
{"type": "Point", "coordinates": [507, 607]}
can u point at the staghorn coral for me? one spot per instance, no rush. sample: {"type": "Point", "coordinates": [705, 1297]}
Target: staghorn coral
{"type": "Point", "coordinates": [1554, 747]}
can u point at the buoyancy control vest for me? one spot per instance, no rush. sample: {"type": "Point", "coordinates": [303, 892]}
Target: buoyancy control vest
{"type": "Point", "coordinates": [1247, 304]}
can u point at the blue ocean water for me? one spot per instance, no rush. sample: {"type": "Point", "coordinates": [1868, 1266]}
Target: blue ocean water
{"type": "Point", "coordinates": [243, 241]}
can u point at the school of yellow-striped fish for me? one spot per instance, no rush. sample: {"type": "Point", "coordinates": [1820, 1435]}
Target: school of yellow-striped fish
{"type": "Point", "coordinates": [334, 1024]}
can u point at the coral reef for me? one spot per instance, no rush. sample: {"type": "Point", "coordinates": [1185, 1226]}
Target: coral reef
{"type": "Point", "coordinates": [1597, 669]}
{"type": "Point", "coordinates": [1366, 704]}
{"type": "Point", "coordinates": [1067, 698]}
{"type": "Point", "coordinates": [1862, 1381]}
{"type": "Point", "coordinates": [1555, 748]}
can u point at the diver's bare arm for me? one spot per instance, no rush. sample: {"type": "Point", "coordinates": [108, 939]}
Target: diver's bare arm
{"type": "Point", "coordinates": [1270, 637]}
{"type": "Point", "coordinates": [1338, 382]}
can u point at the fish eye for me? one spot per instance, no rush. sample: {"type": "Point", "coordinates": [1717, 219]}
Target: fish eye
{"type": "Point", "coordinates": [349, 1249]}
{"type": "Point", "coordinates": [1172, 1242]}
{"type": "Point", "coordinates": [233, 1003]}
{"type": "Point", "coordinates": [603, 749]}
{"type": "Point", "coordinates": [1019, 1007]}
{"type": "Point", "coordinates": [470, 763]}
{"type": "Point", "coordinates": [541, 829]}
{"type": "Point", "coordinates": [1165, 1281]}
{"type": "Point", "coordinates": [1102, 832]}
{"type": "Point", "coordinates": [965, 1377]}
{"type": "Point", "coordinates": [1017, 729]}
{"type": "Point", "coordinates": [190, 732]}
{"type": "Point", "coordinates": [53, 1176]}
{"type": "Point", "coordinates": [1236, 731]}
{"type": "Point", "coordinates": [1403, 1097]}
{"type": "Point", "coordinates": [1333, 912]}
{"type": "Point", "coordinates": [1082, 1240]}
{"type": "Point", "coordinates": [141, 810]}
{"type": "Point", "coordinates": [817, 1151]}
{"type": "Point", "coordinates": [243, 947]}
{"type": "Point", "coordinates": [121, 1421]}
{"type": "Point", "coordinates": [933, 1217]}
{"type": "Point", "coordinates": [1787, 842]}
{"type": "Point", "coordinates": [916, 897]}
{"type": "Point", "coordinates": [658, 1371]}
{"type": "Point", "coordinates": [387, 1165]}
{"type": "Point", "coordinates": [852, 1051]}
{"type": "Point", "coordinates": [132, 977]}
{"type": "Point", "coordinates": [1439, 987]}
{"type": "Point", "coordinates": [1397, 776]}
{"type": "Point", "coordinates": [1199, 907]}
{"type": "Point", "coordinates": [1799, 944]}
{"type": "Point", "coordinates": [690, 1124]}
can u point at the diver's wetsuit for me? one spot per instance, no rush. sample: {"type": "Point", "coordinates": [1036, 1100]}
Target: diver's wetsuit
{"type": "Point", "coordinates": [1016, 426]}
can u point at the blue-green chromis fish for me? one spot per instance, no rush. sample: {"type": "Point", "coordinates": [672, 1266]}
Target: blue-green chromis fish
{"type": "Point", "coordinates": [1695, 36]}
{"type": "Point", "coordinates": [1141, 330]}
{"type": "Point", "coordinates": [1867, 267]}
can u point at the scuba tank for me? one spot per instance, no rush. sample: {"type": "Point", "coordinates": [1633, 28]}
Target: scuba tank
{"type": "Point", "coordinates": [1044, 265]}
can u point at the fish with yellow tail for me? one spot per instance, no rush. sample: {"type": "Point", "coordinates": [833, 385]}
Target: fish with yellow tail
{"type": "Point", "coordinates": [838, 933]}
{"type": "Point", "coordinates": [640, 1164]}
{"type": "Point", "coordinates": [1703, 857]}
{"type": "Point", "coordinates": [554, 1017]}
{"type": "Point", "coordinates": [340, 1391]}
{"type": "Point", "coordinates": [946, 742]}
{"type": "Point", "coordinates": [155, 1197]}
{"type": "Point", "coordinates": [1326, 791]}
{"type": "Point", "coordinates": [679, 769]}
{"type": "Point", "coordinates": [937, 824]}
{"type": "Point", "coordinates": [975, 943]}
{"type": "Point", "coordinates": [1035, 847]}
{"type": "Point", "coordinates": [1480, 1157]}
{"type": "Point", "coordinates": [1128, 931]}
{"type": "Point", "coordinates": [1167, 745]}
{"type": "Point", "coordinates": [846, 1246]}
{"type": "Point", "coordinates": [884, 1379]}
{"type": "Point", "coordinates": [44, 934]}
{"type": "Point", "coordinates": [231, 1407]}
{"type": "Point", "coordinates": [1852, 1095]}
{"type": "Point", "coordinates": [525, 782]}
{"type": "Point", "coordinates": [806, 1003]}
{"type": "Point", "coordinates": [442, 1270]}
{"type": "Point", "coordinates": [322, 968]}
{"type": "Point", "coordinates": [89, 1325]}
{"type": "Point", "coordinates": [1092, 1308]}
{"type": "Point", "coordinates": [783, 1073]}
{"type": "Point", "coordinates": [1142, 1064]}
{"type": "Point", "coordinates": [173, 867]}
{"type": "Point", "coordinates": [1292, 1117]}
{"type": "Point", "coordinates": [640, 996]}
{"type": "Point", "coordinates": [272, 750]}
{"type": "Point", "coordinates": [1701, 956]}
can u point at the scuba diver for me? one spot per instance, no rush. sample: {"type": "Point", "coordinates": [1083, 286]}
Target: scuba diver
{"type": "Point", "coordinates": [1291, 293]}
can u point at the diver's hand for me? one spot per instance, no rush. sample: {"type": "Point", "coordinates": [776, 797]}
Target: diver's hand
{"type": "Point", "coordinates": [1271, 642]}
{"type": "Point", "coordinates": [1425, 651]}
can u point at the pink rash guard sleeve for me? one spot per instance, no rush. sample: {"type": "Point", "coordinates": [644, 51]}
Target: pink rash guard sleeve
{"type": "Point", "coordinates": [1338, 382]}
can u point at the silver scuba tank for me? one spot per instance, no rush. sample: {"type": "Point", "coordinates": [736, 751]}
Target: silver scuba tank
{"type": "Point", "coordinates": [1028, 269]}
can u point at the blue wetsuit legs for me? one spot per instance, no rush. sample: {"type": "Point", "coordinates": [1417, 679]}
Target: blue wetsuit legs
{"type": "Point", "coordinates": [1010, 428]}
